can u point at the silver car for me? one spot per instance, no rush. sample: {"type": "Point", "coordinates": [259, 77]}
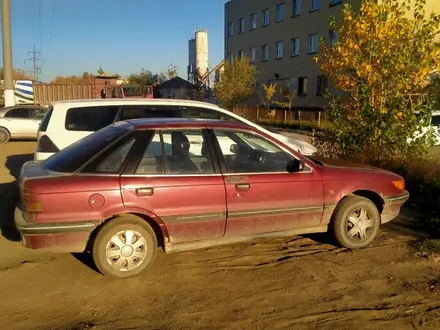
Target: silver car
{"type": "Point", "coordinates": [20, 122]}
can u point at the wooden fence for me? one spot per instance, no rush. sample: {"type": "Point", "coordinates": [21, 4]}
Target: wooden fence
{"type": "Point", "coordinates": [44, 94]}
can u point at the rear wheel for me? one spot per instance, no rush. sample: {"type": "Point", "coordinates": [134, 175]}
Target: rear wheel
{"type": "Point", "coordinates": [355, 222]}
{"type": "Point", "coordinates": [124, 247]}
{"type": "Point", "coordinates": [4, 135]}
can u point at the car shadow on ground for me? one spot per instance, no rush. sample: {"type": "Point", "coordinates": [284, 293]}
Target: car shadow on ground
{"type": "Point", "coordinates": [9, 196]}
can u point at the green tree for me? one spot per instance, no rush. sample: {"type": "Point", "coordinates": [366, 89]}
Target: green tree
{"type": "Point", "coordinates": [146, 78]}
{"type": "Point", "coordinates": [200, 86]}
{"type": "Point", "coordinates": [381, 62]}
{"type": "Point", "coordinates": [172, 71]}
{"type": "Point", "coordinates": [269, 93]}
{"type": "Point", "coordinates": [100, 70]}
{"type": "Point", "coordinates": [237, 81]}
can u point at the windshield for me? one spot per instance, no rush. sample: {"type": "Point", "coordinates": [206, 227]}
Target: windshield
{"type": "Point", "coordinates": [71, 158]}
{"type": "Point", "coordinates": [132, 91]}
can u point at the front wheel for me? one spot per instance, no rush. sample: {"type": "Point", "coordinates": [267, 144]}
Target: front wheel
{"type": "Point", "coordinates": [124, 247]}
{"type": "Point", "coordinates": [355, 222]}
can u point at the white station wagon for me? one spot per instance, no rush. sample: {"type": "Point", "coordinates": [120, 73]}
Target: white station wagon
{"type": "Point", "coordinates": [69, 121]}
{"type": "Point", "coordinates": [20, 122]}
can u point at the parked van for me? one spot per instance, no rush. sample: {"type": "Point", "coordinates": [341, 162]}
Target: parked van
{"type": "Point", "coordinates": [69, 121]}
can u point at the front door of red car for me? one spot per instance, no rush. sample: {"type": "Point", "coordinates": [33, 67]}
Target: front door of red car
{"type": "Point", "coordinates": [262, 197]}
{"type": "Point", "coordinates": [178, 182]}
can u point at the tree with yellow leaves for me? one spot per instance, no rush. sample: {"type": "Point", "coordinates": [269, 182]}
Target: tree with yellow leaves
{"type": "Point", "coordinates": [383, 57]}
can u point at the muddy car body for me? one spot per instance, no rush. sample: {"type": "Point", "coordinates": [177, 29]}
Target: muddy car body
{"type": "Point", "coordinates": [137, 185]}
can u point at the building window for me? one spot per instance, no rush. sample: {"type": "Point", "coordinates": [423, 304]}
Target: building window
{"type": "Point", "coordinates": [264, 52]}
{"type": "Point", "coordinates": [241, 25]}
{"type": "Point", "coordinates": [253, 21]}
{"type": "Point", "coordinates": [296, 5]}
{"type": "Point", "coordinates": [266, 18]}
{"type": "Point", "coordinates": [240, 53]}
{"type": "Point", "coordinates": [294, 50]}
{"type": "Point", "coordinates": [333, 36]}
{"type": "Point", "coordinates": [321, 85]}
{"type": "Point", "coordinates": [314, 5]}
{"type": "Point", "coordinates": [313, 43]}
{"type": "Point", "coordinates": [279, 46]}
{"type": "Point", "coordinates": [335, 2]}
{"type": "Point", "coordinates": [280, 12]}
{"type": "Point", "coordinates": [252, 54]}
{"type": "Point", "coordinates": [230, 29]}
{"type": "Point", "coordinates": [302, 86]}
{"type": "Point", "coordinates": [231, 58]}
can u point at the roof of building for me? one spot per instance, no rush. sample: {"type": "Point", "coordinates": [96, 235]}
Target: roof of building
{"type": "Point", "coordinates": [176, 83]}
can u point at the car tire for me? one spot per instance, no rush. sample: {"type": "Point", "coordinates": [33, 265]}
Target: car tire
{"type": "Point", "coordinates": [4, 135]}
{"type": "Point", "coordinates": [114, 256]}
{"type": "Point", "coordinates": [352, 210]}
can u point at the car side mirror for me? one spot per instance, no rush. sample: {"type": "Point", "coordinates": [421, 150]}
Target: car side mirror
{"type": "Point", "coordinates": [295, 166]}
{"type": "Point", "coordinates": [233, 148]}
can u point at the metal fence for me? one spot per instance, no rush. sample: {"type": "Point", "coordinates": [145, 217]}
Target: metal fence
{"type": "Point", "coordinates": [257, 114]}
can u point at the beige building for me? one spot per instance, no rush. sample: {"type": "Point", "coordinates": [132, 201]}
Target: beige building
{"type": "Point", "coordinates": [281, 38]}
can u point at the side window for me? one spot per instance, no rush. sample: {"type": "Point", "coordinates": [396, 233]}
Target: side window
{"type": "Point", "coordinates": [143, 111]}
{"type": "Point", "coordinates": [113, 163]}
{"type": "Point", "coordinates": [250, 153]}
{"type": "Point", "coordinates": [177, 152]}
{"type": "Point", "coordinates": [90, 119]}
{"type": "Point", "coordinates": [190, 112]}
{"type": "Point", "coordinates": [38, 113]}
{"type": "Point", "coordinates": [18, 113]}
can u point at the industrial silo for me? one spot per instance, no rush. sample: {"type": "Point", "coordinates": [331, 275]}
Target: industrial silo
{"type": "Point", "coordinates": [191, 57]}
{"type": "Point", "coordinates": [202, 51]}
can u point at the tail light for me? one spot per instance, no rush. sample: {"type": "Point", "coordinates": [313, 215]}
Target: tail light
{"type": "Point", "coordinates": [45, 144]}
{"type": "Point", "coordinates": [31, 201]}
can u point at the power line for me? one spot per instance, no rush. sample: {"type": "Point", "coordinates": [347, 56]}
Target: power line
{"type": "Point", "coordinates": [36, 70]}
{"type": "Point", "coordinates": [40, 20]}
{"type": "Point", "coordinates": [51, 26]}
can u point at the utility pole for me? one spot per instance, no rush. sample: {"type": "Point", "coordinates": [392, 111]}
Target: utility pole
{"type": "Point", "coordinates": [35, 60]}
{"type": "Point", "coordinates": [7, 54]}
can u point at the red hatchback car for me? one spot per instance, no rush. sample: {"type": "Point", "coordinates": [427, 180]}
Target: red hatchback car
{"type": "Point", "coordinates": [180, 184]}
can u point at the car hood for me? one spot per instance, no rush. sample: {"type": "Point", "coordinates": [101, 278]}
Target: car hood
{"type": "Point", "coordinates": [297, 144]}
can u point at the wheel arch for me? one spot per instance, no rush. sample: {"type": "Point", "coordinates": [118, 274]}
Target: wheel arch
{"type": "Point", "coordinates": [372, 196]}
{"type": "Point", "coordinates": [159, 228]}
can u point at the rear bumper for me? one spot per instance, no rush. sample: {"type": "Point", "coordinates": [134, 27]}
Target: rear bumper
{"type": "Point", "coordinates": [56, 237]}
{"type": "Point", "coordinates": [38, 155]}
{"type": "Point", "coordinates": [392, 206]}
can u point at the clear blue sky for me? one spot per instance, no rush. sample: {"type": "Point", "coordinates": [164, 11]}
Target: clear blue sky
{"type": "Point", "coordinates": [122, 36]}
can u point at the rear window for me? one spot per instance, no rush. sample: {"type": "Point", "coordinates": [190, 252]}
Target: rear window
{"type": "Point", "coordinates": [45, 122]}
{"type": "Point", "coordinates": [90, 119]}
{"type": "Point", "coordinates": [71, 158]}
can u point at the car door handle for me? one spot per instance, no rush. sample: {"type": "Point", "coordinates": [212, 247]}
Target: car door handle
{"type": "Point", "coordinates": [144, 191]}
{"type": "Point", "coordinates": [242, 186]}
{"type": "Point", "coordinates": [197, 143]}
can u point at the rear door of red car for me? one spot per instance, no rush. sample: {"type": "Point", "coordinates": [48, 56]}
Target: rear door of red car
{"type": "Point", "coordinates": [186, 193]}
{"type": "Point", "coordinates": [262, 197]}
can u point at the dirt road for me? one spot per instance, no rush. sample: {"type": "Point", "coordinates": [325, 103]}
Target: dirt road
{"type": "Point", "coordinates": [293, 283]}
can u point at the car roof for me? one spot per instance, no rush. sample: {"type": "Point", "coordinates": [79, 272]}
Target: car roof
{"type": "Point", "coordinates": [32, 106]}
{"type": "Point", "coordinates": [163, 123]}
{"type": "Point", "coordinates": [134, 100]}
